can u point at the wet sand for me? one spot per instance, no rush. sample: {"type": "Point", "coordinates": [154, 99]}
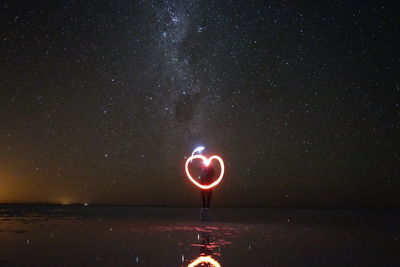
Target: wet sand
{"type": "Point", "coordinates": [128, 236]}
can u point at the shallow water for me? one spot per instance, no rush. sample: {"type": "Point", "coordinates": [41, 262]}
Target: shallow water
{"type": "Point", "coordinates": [127, 236]}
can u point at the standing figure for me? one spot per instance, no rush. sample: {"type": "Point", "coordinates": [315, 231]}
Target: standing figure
{"type": "Point", "coordinates": [207, 174]}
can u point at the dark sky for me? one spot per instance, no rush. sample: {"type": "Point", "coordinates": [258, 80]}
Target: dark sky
{"type": "Point", "coordinates": [101, 101]}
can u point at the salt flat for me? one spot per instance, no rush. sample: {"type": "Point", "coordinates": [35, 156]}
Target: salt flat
{"type": "Point", "coordinates": [130, 236]}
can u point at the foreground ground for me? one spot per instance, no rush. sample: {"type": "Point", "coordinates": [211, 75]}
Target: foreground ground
{"type": "Point", "coordinates": [126, 236]}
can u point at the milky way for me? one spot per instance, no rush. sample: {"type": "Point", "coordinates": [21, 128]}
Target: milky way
{"type": "Point", "coordinates": [102, 102]}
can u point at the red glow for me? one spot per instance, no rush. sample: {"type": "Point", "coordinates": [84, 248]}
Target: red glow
{"type": "Point", "coordinates": [206, 162]}
{"type": "Point", "coordinates": [204, 259]}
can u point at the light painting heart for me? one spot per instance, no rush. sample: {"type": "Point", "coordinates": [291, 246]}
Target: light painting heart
{"type": "Point", "coordinates": [206, 162]}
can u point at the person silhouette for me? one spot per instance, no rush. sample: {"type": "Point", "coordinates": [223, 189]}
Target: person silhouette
{"type": "Point", "coordinates": [207, 174]}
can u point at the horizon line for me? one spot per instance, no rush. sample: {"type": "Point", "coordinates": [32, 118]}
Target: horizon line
{"type": "Point", "coordinates": [389, 208]}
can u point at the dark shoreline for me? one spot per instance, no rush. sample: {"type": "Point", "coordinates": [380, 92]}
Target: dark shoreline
{"type": "Point", "coordinates": [234, 215]}
{"type": "Point", "coordinates": [366, 209]}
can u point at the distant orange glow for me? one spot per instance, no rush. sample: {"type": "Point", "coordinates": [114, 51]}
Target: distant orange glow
{"type": "Point", "coordinates": [206, 162]}
{"type": "Point", "coordinates": [204, 259]}
{"type": "Point", "coordinates": [65, 201]}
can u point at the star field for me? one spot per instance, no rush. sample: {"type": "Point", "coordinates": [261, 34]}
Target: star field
{"type": "Point", "coordinates": [101, 102]}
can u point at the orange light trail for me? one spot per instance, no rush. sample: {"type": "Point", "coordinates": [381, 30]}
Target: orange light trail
{"type": "Point", "coordinates": [206, 162]}
{"type": "Point", "coordinates": [204, 259]}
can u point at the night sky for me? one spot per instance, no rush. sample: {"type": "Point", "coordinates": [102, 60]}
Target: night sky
{"type": "Point", "coordinates": [101, 101]}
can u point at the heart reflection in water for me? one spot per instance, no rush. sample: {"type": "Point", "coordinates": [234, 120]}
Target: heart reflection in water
{"type": "Point", "coordinates": [201, 260]}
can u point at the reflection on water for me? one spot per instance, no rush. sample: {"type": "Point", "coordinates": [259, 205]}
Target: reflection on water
{"type": "Point", "coordinates": [204, 261]}
{"type": "Point", "coordinates": [123, 236]}
{"type": "Point", "coordinates": [206, 250]}
{"type": "Point", "coordinates": [209, 240]}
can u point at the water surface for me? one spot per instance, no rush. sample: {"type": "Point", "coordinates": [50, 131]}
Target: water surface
{"type": "Point", "coordinates": [128, 236]}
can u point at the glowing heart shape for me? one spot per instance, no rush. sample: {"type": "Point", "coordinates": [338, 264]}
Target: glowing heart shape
{"type": "Point", "coordinates": [206, 162]}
